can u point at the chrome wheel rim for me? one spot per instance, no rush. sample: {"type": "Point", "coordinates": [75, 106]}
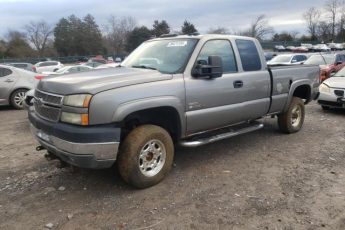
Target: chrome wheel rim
{"type": "Point", "coordinates": [152, 158]}
{"type": "Point", "coordinates": [296, 116]}
{"type": "Point", "coordinates": [19, 99]}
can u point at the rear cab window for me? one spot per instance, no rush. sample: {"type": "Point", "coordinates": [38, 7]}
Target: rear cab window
{"type": "Point", "coordinates": [249, 55]}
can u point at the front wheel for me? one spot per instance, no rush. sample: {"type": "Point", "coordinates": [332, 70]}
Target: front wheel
{"type": "Point", "coordinates": [17, 98]}
{"type": "Point", "coordinates": [292, 120]}
{"type": "Point", "coordinates": [146, 156]}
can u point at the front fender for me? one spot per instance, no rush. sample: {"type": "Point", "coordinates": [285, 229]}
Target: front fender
{"type": "Point", "coordinates": [125, 109]}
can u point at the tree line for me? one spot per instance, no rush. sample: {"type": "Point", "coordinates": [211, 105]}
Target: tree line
{"type": "Point", "coordinates": [326, 24]}
{"type": "Point", "coordinates": [74, 36]}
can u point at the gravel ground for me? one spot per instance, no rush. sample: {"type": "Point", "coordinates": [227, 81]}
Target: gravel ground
{"type": "Point", "coordinates": [260, 180]}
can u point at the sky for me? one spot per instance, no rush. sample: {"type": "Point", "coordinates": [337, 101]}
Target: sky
{"type": "Point", "coordinates": [235, 15]}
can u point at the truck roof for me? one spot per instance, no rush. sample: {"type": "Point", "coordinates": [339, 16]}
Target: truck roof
{"type": "Point", "coordinates": [203, 36]}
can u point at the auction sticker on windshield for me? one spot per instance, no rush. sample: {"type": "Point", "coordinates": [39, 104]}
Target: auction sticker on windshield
{"type": "Point", "coordinates": [177, 44]}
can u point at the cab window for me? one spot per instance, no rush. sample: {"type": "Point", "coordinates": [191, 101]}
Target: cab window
{"type": "Point", "coordinates": [249, 55]}
{"type": "Point", "coordinates": [221, 48]}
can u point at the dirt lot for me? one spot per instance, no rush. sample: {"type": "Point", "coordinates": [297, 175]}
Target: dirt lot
{"type": "Point", "coordinates": [261, 180]}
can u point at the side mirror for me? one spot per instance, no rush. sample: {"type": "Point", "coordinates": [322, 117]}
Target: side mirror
{"type": "Point", "coordinates": [293, 61]}
{"type": "Point", "coordinates": [339, 63]}
{"type": "Point", "coordinates": [214, 69]}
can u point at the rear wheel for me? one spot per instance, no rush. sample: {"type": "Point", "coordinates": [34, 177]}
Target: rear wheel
{"type": "Point", "coordinates": [292, 120]}
{"type": "Point", "coordinates": [146, 156]}
{"type": "Point", "coordinates": [17, 98]}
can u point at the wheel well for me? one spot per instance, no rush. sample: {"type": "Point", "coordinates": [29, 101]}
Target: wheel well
{"type": "Point", "coordinates": [303, 92]}
{"type": "Point", "coordinates": [165, 117]}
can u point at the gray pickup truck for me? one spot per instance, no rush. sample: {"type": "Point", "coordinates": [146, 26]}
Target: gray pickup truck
{"type": "Point", "coordinates": [186, 90]}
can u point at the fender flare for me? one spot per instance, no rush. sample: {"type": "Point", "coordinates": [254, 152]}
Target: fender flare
{"type": "Point", "coordinates": [293, 87]}
{"type": "Point", "coordinates": [125, 109]}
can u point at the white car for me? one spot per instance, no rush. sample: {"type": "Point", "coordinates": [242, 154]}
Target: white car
{"type": "Point", "coordinates": [332, 91]}
{"type": "Point", "coordinates": [69, 69]}
{"type": "Point", "coordinates": [50, 66]}
{"type": "Point", "coordinates": [288, 59]}
{"type": "Point", "coordinates": [321, 48]}
{"type": "Point", "coordinates": [109, 65]}
{"type": "Point", "coordinates": [14, 83]}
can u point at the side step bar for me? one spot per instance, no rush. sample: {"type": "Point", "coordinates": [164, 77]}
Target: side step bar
{"type": "Point", "coordinates": [232, 131]}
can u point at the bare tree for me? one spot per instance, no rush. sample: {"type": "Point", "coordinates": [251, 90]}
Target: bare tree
{"type": "Point", "coordinates": [259, 28]}
{"type": "Point", "coordinates": [294, 34]}
{"type": "Point", "coordinates": [219, 30]}
{"type": "Point", "coordinates": [324, 31]}
{"type": "Point", "coordinates": [332, 7]}
{"type": "Point", "coordinates": [117, 32]}
{"type": "Point", "coordinates": [38, 33]}
{"type": "Point", "coordinates": [311, 16]}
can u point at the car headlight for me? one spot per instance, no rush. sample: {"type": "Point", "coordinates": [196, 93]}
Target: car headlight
{"type": "Point", "coordinates": [324, 88]}
{"type": "Point", "coordinates": [78, 100]}
{"type": "Point", "coordinates": [75, 118]}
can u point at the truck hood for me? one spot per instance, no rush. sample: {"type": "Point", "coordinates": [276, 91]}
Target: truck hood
{"type": "Point", "coordinates": [96, 81]}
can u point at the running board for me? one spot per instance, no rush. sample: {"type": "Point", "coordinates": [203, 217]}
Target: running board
{"type": "Point", "coordinates": [231, 132]}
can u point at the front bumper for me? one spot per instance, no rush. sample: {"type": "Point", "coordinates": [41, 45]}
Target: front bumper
{"type": "Point", "coordinates": [331, 100]}
{"type": "Point", "coordinates": [85, 147]}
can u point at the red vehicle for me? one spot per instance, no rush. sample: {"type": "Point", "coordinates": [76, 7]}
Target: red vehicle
{"type": "Point", "coordinates": [329, 64]}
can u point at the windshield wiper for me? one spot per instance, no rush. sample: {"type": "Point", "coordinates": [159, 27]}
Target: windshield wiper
{"type": "Point", "coordinates": [143, 67]}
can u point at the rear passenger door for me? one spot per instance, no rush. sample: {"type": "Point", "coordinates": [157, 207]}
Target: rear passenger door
{"type": "Point", "coordinates": [7, 80]}
{"type": "Point", "coordinates": [232, 98]}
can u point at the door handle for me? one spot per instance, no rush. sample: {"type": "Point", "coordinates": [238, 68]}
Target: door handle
{"type": "Point", "coordinates": [238, 84]}
{"type": "Point", "coordinates": [9, 80]}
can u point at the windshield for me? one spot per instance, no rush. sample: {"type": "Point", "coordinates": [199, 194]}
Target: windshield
{"type": "Point", "coordinates": [167, 56]}
{"type": "Point", "coordinates": [63, 69]}
{"type": "Point", "coordinates": [340, 73]}
{"type": "Point", "coordinates": [281, 58]}
{"type": "Point", "coordinates": [320, 60]}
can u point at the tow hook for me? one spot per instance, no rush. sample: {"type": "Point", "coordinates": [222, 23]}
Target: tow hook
{"type": "Point", "coordinates": [40, 148]}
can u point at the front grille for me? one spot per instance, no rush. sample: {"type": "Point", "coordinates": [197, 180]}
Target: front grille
{"type": "Point", "coordinates": [339, 93]}
{"type": "Point", "coordinates": [48, 106]}
{"type": "Point", "coordinates": [48, 98]}
{"type": "Point", "coordinates": [47, 112]}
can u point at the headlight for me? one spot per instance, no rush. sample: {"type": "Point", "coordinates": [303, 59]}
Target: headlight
{"type": "Point", "coordinates": [324, 88]}
{"type": "Point", "coordinates": [75, 118]}
{"type": "Point", "coordinates": [78, 100]}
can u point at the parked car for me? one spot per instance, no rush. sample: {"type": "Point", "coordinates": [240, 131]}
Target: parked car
{"type": "Point", "coordinates": [332, 91]}
{"type": "Point", "coordinates": [301, 49]}
{"type": "Point", "coordinates": [279, 48]}
{"type": "Point", "coordinates": [329, 63]}
{"type": "Point", "coordinates": [321, 48]}
{"type": "Point", "coordinates": [290, 48]}
{"type": "Point", "coordinates": [335, 46]}
{"type": "Point", "coordinates": [50, 66]}
{"type": "Point", "coordinates": [69, 69]}
{"type": "Point", "coordinates": [22, 65]}
{"type": "Point", "coordinates": [109, 65]}
{"type": "Point", "coordinates": [92, 64]}
{"type": "Point", "coordinates": [203, 89]}
{"type": "Point", "coordinates": [14, 83]}
{"type": "Point", "coordinates": [99, 59]}
{"type": "Point", "coordinates": [269, 55]}
{"type": "Point", "coordinates": [288, 59]}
